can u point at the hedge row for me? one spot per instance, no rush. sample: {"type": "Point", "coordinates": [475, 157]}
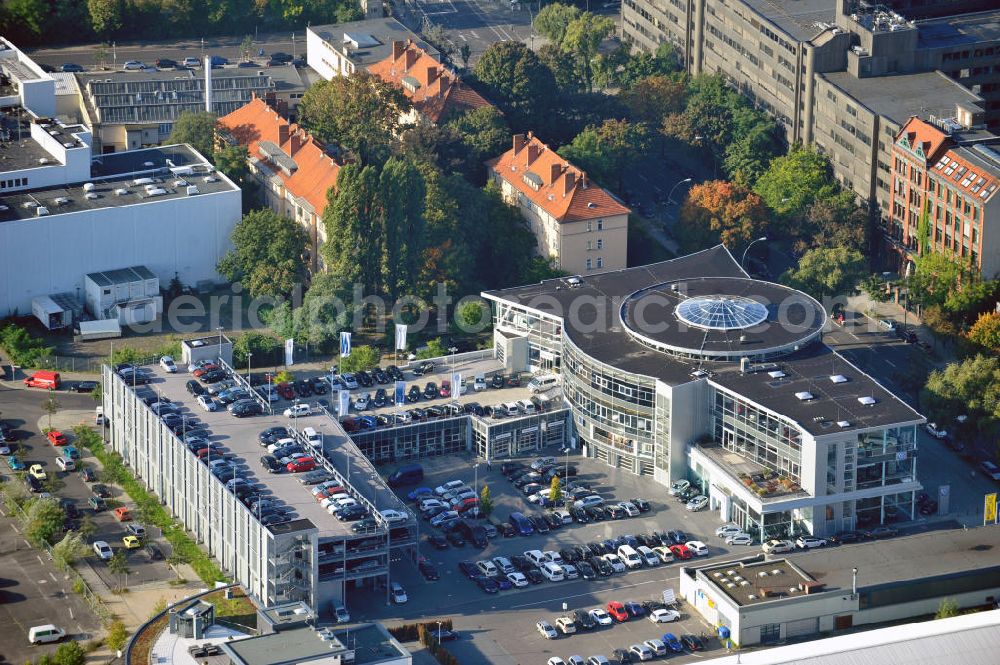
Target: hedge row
{"type": "Point", "coordinates": [410, 632]}
{"type": "Point", "coordinates": [149, 507]}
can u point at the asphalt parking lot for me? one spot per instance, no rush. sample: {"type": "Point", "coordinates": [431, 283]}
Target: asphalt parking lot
{"type": "Point", "coordinates": [500, 628]}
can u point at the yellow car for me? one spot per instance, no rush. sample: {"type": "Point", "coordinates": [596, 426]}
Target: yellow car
{"type": "Point", "coordinates": [131, 542]}
{"type": "Point", "coordinates": [37, 471]}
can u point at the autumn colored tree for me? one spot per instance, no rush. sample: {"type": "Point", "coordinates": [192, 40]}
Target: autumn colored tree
{"type": "Point", "coordinates": [721, 211]}
{"type": "Point", "coordinates": [653, 97]}
{"type": "Point", "coordinates": [986, 331]}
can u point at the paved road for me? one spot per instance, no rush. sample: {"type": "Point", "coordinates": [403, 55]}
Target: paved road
{"type": "Point", "coordinates": [32, 591]}
{"type": "Point", "coordinates": [148, 52]}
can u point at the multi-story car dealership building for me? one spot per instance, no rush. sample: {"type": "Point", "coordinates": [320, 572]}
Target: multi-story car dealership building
{"type": "Point", "coordinates": [689, 369]}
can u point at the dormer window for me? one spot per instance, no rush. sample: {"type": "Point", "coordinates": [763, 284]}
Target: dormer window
{"type": "Point", "coordinates": [411, 84]}
{"type": "Point", "coordinates": [532, 180]}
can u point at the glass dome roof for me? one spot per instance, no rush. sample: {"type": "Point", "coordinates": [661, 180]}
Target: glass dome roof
{"type": "Point", "coordinates": [721, 312]}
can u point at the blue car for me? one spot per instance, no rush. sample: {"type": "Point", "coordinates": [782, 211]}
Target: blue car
{"type": "Point", "coordinates": [71, 452]}
{"type": "Point", "coordinates": [505, 584]}
{"type": "Point", "coordinates": [673, 643]}
{"type": "Point", "coordinates": [610, 545]}
{"type": "Point", "coordinates": [368, 422]}
{"type": "Point", "coordinates": [15, 464]}
{"type": "Point", "coordinates": [420, 493]}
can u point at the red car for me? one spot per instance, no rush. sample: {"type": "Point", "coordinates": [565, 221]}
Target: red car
{"type": "Point", "coordinates": [285, 390]}
{"type": "Point", "coordinates": [329, 492]}
{"type": "Point", "coordinates": [445, 389]}
{"type": "Point", "coordinates": [204, 369]}
{"type": "Point", "coordinates": [466, 504]}
{"type": "Point", "coordinates": [301, 464]}
{"type": "Point", "coordinates": [57, 438]}
{"type": "Point", "coordinates": [681, 551]}
{"type": "Point", "coordinates": [617, 611]}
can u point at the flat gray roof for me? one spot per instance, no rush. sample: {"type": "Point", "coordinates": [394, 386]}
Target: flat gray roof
{"type": "Point", "coordinates": [111, 173]}
{"type": "Point", "coordinates": [917, 557]}
{"type": "Point", "coordinates": [370, 642]}
{"type": "Point", "coordinates": [121, 276]}
{"type": "Point", "coordinates": [962, 30]}
{"type": "Point", "coordinates": [598, 333]}
{"type": "Point", "coordinates": [373, 36]}
{"type": "Point", "coordinates": [749, 583]}
{"type": "Point", "coordinates": [798, 19]}
{"type": "Point", "coordinates": [18, 150]}
{"type": "Point", "coordinates": [904, 95]}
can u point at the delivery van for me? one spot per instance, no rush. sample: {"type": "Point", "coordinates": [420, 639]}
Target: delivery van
{"type": "Point", "coordinates": [44, 379]}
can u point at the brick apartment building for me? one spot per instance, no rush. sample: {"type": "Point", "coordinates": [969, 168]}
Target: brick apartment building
{"type": "Point", "coordinates": [582, 226]}
{"type": "Point", "coordinates": [951, 177]}
{"type": "Point", "coordinates": [292, 168]}
{"type": "Point", "coordinates": [840, 74]}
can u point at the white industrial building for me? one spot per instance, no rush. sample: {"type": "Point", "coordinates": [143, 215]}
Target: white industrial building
{"type": "Point", "coordinates": [128, 295]}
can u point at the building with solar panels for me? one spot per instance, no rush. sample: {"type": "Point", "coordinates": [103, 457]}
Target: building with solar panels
{"type": "Point", "coordinates": [691, 370]}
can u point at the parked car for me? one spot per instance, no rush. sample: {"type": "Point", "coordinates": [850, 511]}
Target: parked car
{"type": "Point", "coordinates": [809, 542]}
{"type": "Point", "coordinates": [776, 546]}
{"type": "Point", "coordinates": [697, 503]}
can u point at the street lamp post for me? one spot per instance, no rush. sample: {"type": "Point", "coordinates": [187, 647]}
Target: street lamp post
{"type": "Point", "coordinates": [761, 239]}
{"type": "Point", "coordinates": [451, 363]}
{"type": "Point", "coordinates": [439, 632]}
{"type": "Point", "coordinates": [475, 468]}
{"type": "Point", "coordinates": [670, 197]}
{"type": "Point", "coordinates": [249, 356]}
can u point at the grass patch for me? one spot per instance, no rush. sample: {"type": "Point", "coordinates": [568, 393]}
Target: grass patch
{"type": "Point", "coordinates": [148, 505]}
{"type": "Point", "coordinates": [127, 354]}
{"type": "Point", "coordinates": [144, 641]}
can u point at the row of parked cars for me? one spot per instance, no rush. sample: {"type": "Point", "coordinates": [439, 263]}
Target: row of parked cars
{"type": "Point", "coordinates": [614, 613]}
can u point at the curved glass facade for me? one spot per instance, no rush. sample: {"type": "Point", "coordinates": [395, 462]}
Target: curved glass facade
{"type": "Point", "coordinates": [614, 411]}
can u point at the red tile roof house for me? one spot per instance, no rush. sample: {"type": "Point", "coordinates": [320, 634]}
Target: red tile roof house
{"type": "Point", "coordinates": [435, 91]}
{"type": "Point", "coordinates": [582, 226]}
{"type": "Point", "coordinates": [291, 167]}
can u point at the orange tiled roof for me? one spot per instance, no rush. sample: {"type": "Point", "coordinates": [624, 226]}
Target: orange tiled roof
{"type": "Point", "coordinates": [316, 171]}
{"type": "Point", "coordinates": [433, 89]}
{"type": "Point", "coordinates": [561, 189]}
{"type": "Point", "coordinates": [926, 136]}
{"type": "Point", "coordinates": [981, 184]}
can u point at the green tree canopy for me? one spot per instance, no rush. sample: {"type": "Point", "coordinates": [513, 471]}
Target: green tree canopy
{"type": "Point", "coordinates": [268, 254]}
{"type": "Point", "coordinates": [485, 134]}
{"type": "Point", "coordinates": [105, 16]}
{"type": "Point", "coordinates": [232, 160]}
{"type": "Point", "coordinates": [196, 128]}
{"type": "Point", "coordinates": [652, 97]}
{"type": "Point", "coordinates": [553, 21]}
{"type": "Point", "coordinates": [254, 345]}
{"type": "Point", "coordinates": [117, 635]}
{"type": "Point", "coordinates": [794, 181]}
{"type": "Point", "coordinates": [517, 81]}
{"type": "Point", "coordinates": [361, 112]}
{"type": "Point", "coordinates": [70, 653]}
{"type": "Point", "coordinates": [970, 388]}
{"type": "Point", "coordinates": [827, 271]}
{"type": "Point", "coordinates": [43, 521]}
{"type": "Point", "coordinates": [362, 357]}
{"type": "Point", "coordinates": [664, 61]}
{"type": "Point", "coordinates": [583, 38]}
{"type": "Point", "coordinates": [608, 150]}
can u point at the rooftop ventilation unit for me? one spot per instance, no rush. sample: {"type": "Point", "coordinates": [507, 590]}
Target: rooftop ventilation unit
{"type": "Point", "coordinates": [69, 144]}
{"type": "Point", "coordinates": [211, 178]}
{"type": "Point", "coordinates": [29, 204]}
{"type": "Point", "coordinates": [776, 374]}
{"type": "Point", "coordinates": [838, 378]}
{"type": "Point", "coordinates": [121, 191]}
{"type": "Point", "coordinates": [843, 424]}
{"type": "Point", "coordinates": [43, 160]}
{"type": "Point", "coordinates": [180, 183]}
{"type": "Point", "coordinates": [143, 181]}
{"type": "Point", "coordinates": [88, 186]}
{"type": "Point", "coordinates": [156, 191]}
{"type": "Point", "coordinates": [192, 190]}
{"type": "Point", "coordinates": [60, 200]}
{"type": "Point", "coordinates": [148, 165]}
{"type": "Point", "coordinates": [804, 396]}
{"type": "Point", "coordinates": [866, 401]}
{"type": "Point", "coordinates": [91, 196]}
{"type": "Point", "coordinates": [698, 373]}
{"type": "Point", "coordinates": [41, 211]}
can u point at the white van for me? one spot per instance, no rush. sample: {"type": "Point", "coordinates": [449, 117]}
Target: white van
{"type": "Point", "coordinates": [553, 571]}
{"type": "Point", "coordinates": [312, 436]}
{"type": "Point", "coordinates": [526, 406]}
{"type": "Point", "coordinates": [479, 384]}
{"type": "Point", "coordinates": [99, 415]}
{"type": "Point", "coordinates": [650, 557]}
{"type": "Point", "coordinates": [45, 634]}
{"type": "Point", "coordinates": [543, 382]}
{"type": "Point", "coordinates": [536, 557]}
{"type": "Point", "coordinates": [630, 556]}
{"type": "Point", "coordinates": [511, 408]}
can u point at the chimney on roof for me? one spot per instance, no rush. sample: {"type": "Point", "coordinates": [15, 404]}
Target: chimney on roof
{"type": "Point", "coordinates": [569, 182]}
{"type": "Point", "coordinates": [297, 142]}
{"type": "Point", "coordinates": [533, 152]}
{"type": "Point", "coordinates": [411, 57]}
{"type": "Point", "coordinates": [432, 72]}
{"type": "Point", "coordinates": [554, 172]}
{"type": "Point", "coordinates": [398, 47]}
{"type": "Point", "coordinates": [282, 133]}
{"type": "Point", "coordinates": [519, 142]}
{"type": "Point", "coordinates": [583, 179]}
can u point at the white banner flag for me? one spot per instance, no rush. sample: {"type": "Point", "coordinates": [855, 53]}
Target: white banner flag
{"type": "Point", "coordinates": [344, 403]}
{"type": "Point", "coordinates": [456, 384]}
{"type": "Point", "coordinates": [289, 351]}
{"type": "Point", "coordinates": [345, 344]}
{"type": "Point", "coordinates": [400, 336]}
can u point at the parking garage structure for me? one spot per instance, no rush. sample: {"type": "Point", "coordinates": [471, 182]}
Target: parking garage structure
{"type": "Point", "coordinates": [313, 557]}
{"type": "Point", "coordinates": [690, 369]}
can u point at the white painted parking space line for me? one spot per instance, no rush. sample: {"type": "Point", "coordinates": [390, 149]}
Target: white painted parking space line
{"type": "Point", "coordinates": [890, 364]}
{"type": "Point", "coordinates": [54, 579]}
